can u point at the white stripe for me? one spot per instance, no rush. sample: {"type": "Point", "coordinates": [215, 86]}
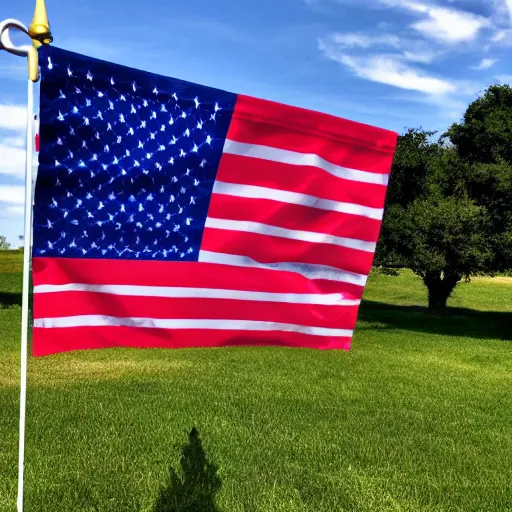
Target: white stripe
{"type": "Point", "coordinates": [284, 196]}
{"type": "Point", "coordinates": [285, 156]}
{"type": "Point", "coordinates": [177, 323]}
{"type": "Point", "coordinates": [292, 234]}
{"type": "Point", "coordinates": [328, 299]}
{"type": "Point", "coordinates": [308, 270]}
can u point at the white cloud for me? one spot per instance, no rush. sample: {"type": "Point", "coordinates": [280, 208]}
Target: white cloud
{"type": "Point", "coordinates": [13, 117]}
{"type": "Point", "coordinates": [17, 142]}
{"type": "Point", "coordinates": [391, 71]}
{"type": "Point", "coordinates": [12, 194]}
{"type": "Point", "coordinates": [356, 39]}
{"type": "Point", "coordinates": [508, 5]}
{"type": "Point", "coordinates": [504, 79]}
{"type": "Point", "coordinates": [12, 161]}
{"type": "Point", "coordinates": [416, 51]}
{"type": "Point", "coordinates": [15, 210]}
{"type": "Point", "coordinates": [441, 23]}
{"type": "Point", "coordinates": [485, 64]}
{"type": "Point", "coordinates": [422, 57]}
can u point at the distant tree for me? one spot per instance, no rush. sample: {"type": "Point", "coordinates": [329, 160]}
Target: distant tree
{"type": "Point", "coordinates": [3, 243]}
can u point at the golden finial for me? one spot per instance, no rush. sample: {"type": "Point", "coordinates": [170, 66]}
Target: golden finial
{"type": "Point", "coordinates": [39, 29]}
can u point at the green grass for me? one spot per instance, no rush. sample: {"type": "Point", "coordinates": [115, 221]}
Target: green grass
{"type": "Point", "coordinates": [417, 417]}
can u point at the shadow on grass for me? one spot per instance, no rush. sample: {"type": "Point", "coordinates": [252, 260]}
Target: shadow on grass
{"type": "Point", "coordinates": [195, 489]}
{"type": "Point", "coordinates": [454, 322]}
{"type": "Point", "coordinates": [8, 299]}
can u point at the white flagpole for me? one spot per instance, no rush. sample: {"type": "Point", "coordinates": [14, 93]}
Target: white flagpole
{"type": "Point", "coordinates": [39, 32]}
{"type": "Point", "coordinates": [26, 289]}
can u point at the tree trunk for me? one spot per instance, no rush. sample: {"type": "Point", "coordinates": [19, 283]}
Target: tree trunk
{"type": "Point", "coordinates": [440, 286]}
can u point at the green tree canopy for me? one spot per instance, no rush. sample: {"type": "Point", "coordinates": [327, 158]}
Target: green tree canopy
{"type": "Point", "coordinates": [439, 231]}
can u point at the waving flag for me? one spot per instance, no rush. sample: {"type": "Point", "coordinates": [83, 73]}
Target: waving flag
{"type": "Point", "coordinates": [169, 214]}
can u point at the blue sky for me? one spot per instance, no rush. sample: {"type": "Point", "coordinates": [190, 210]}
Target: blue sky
{"type": "Point", "coordinates": [390, 63]}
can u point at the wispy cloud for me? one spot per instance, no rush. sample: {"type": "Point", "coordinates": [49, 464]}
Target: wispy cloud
{"type": "Point", "coordinates": [359, 40]}
{"type": "Point", "coordinates": [508, 4]}
{"type": "Point", "coordinates": [12, 162]}
{"type": "Point", "coordinates": [13, 117]}
{"type": "Point", "coordinates": [12, 194]}
{"type": "Point", "coordinates": [404, 49]}
{"type": "Point", "coordinates": [485, 64]}
{"type": "Point", "coordinates": [422, 57]}
{"type": "Point", "coordinates": [14, 71]}
{"type": "Point", "coordinates": [390, 71]}
{"type": "Point", "coordinates": [442, 23]}
{"type": "Point", "coordinates": [504, 79]}
{"type": "Point", "coordinates": [17, 142]}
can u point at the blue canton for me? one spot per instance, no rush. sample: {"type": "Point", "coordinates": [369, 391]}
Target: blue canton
{"type": "Point", "coordinates": [128, 160]}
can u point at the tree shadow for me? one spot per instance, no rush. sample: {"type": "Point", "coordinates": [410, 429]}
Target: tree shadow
{"type": "Point", "coordinates": [9, 299]}
{"type": "Point", "coordinates": [195, 489]}
{"type": "Point", "coordinates": [454, 322]}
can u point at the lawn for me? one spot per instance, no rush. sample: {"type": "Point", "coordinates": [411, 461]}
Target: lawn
{"type": "Point", "coordinates": [416, 417]}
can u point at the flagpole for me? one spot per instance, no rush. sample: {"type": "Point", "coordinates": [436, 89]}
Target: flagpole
{"type": "Point", "coordinates": [39, 32]}
{"type": "Point", "coordinates": [26, 291]}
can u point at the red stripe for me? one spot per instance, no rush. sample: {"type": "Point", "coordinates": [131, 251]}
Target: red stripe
{"type": "Point", "coordinates": [52, 341]}
{"type": "Point", "coordinates": [269, 249]}
{"type": "Point", "coordinates": [342, 142]}
{"type": "Point", "coordinates": [293, 216]}
{"type": "Point", "coordinates": [181, 274]}
{"type": "Point", "coordinates": [48, 305]}
{"type": "Point", "coordinates": [295, 178]}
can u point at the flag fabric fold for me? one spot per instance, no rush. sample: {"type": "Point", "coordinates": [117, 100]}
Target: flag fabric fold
{"type": "Point", "coordinates": [170, 214]}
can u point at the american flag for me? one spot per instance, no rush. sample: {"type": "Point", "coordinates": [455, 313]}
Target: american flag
{"type": "Point", "coordinates": [169, 214]}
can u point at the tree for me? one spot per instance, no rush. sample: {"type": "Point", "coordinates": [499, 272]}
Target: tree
{"type": "Point", "coordinates": [438, 231]}
{"type": "Point", "coordinates": [441, 239]}
{"type": "Point", "coordinates": [3, 243]}
{"type": "Point", "coordinates": [483, 141]}
{"type": "Point", "coordinates": [410, 166]}
{"type": "Point", "coordinates": [485, 133]}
